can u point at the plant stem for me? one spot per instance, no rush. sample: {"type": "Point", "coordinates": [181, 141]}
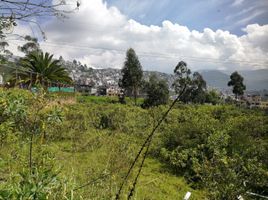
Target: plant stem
{"type": "Point", "coordinates": [30, 153]}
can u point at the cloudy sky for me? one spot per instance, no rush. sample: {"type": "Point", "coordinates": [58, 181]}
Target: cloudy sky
{"type": "Point", "coordinates": [207, 34]}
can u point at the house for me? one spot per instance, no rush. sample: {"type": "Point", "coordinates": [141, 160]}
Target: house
{"type": "Point", "coordinates": [94, 91]}
{"type": "Point", "coordinates": [84, 89]}
{"type": "Point", "coordinates": [264, 105]}
{"type": "Point", "coordinates": [113, 91]}
{"type": "Point", "coordinates": [102, 90]}
{"type": "Point", "coordinates": [253, 101]}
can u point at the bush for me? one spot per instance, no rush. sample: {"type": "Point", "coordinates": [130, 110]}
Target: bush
{"type": "Point", "coordinates": [219, 148]}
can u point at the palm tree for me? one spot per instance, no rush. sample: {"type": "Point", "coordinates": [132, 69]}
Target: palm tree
{"type": "Point", "coordinates": [41, 68]}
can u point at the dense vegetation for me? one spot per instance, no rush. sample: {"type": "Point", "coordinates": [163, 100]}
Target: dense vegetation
{"type": "Point", "coordinates": [82, 149]}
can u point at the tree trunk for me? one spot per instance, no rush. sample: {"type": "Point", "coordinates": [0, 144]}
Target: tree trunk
{"type": "Point", "coordinates": [135, 95]}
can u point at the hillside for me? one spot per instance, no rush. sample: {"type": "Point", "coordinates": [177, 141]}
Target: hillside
{"type": "Point", "coordinates": [257, 79]}
{"type": "Point", "coordinates": [215, 78]}
{"type": "Point", "coordinates": [254, 80]}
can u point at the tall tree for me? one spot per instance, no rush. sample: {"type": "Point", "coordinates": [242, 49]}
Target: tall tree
{"type": "Point", "coordinates": [199, 87]}
{"type": "Point", "coordinates": [183, 79]}
{"type": "Point", "coordinates": [237, 83]}
{"type": "Point", "coordinates": [157, 92]}
{"type": "Point", "coordinates": [131, 74]}
{"type": "Point", "coordinates": [194, 86]}
{"type": "Point", "coordinates": [41, 68]}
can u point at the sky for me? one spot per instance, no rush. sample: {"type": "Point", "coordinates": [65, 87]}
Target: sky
{"type": "Point", "coordinates": [230, 15]}
{"type": "Point", "coordinates": [207, 34]}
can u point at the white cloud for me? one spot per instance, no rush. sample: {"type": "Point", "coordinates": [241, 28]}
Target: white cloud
{"type": "Point", "coordinates": [237, 2]}
{"type": "Point", "coordinates": [90, 34]}
{"type": "Point", "coordinates": [257, 36]}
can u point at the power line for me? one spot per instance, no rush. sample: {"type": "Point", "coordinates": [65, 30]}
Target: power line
{"type": "Point", "coordinates": [150, 54]}
{"type": "Point", "coordinates": [157, 55]}
{"type": "Point", "coordinates": [147, 142]}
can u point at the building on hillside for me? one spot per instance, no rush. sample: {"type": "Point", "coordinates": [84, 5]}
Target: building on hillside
{"type": "Point", "coordinates": [102, 90]}
{"type": "Point", "coordinates": [84, 89]}
{"type": "Point", "coordinates": [94, 91]}
{"type": "Point", "coordinates": [264, 105]}
{"type": "Point", "coordinates": [253, 101]}
{"type": "Point", "coordinates": [113, 91]}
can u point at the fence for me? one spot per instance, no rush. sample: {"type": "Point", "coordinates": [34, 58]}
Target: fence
{"type": "Point", "coordinates": [10, 73]}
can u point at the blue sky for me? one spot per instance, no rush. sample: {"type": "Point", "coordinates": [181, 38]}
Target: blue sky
{"type": "Point", "coordinates": [206, 34]}
{"type": "Point", "coordinates": [231, 15]}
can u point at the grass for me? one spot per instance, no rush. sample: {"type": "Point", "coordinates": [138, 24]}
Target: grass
{"type": "Point", "coordinates": [94, 156]}
{"type": "Point", "coordinates": [156, 183]}
{"type": "Point", "coordinates": [100, 157]}
{"type": "Point", "coordinates": [96, 99]}
{"type": "Point", "coordinates": [106, 99]}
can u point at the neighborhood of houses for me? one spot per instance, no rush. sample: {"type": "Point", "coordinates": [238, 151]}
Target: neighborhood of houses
{"type": "Point", "coordinates": [253, 101]}
{"type": "Point", "coordinates": [105, 83]}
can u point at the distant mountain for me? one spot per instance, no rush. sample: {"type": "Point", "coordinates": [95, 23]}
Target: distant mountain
{"type": "Point", "coordinates": [257, 79]}
{"type": "Point", "coordinates": [215, 78]}
{"type": "Point", "coordinates": [254, 80]}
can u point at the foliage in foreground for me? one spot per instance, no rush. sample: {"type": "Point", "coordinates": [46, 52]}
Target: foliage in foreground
{"type": "Point", "coordinates": [221, 151]}
{"type": "Point", "coordinates": [28, 172]}
{"type": "Point", "coordinates": [220, 148]}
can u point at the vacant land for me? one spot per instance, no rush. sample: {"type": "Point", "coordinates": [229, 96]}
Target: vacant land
{"type": "Point", "coordinates": [83, 147]}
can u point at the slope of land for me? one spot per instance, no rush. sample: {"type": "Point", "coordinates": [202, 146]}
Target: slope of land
{"type": "Point", "coordinates": [82, 149]}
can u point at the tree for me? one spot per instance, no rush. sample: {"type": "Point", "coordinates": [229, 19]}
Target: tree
{"type": "Point", "coordinates": [30, 45]}
{"type": "Point", "coordinates": [183, 79]}
{"type": "Point", "coordinates": [13, 11]}
{"type": "Point", "coordinates": [131, 75]}
{"type": "Point", "coordinates": [4, 53]}
{"type": "Point", "coordinates": [237, 83]}
{"type": "Point", "coordinates": [40, 68]}
{"type": "Point", "coordinates": [28, 12]}
{"type": "Point", "coordinates": [194, 86]}
{"type": "Point", "coordinates": [198, 89]}
{"type": "Point", "coordinates": [219, 149]}
{"type": "Point", "coordinates": [157, 92]}
{"type": "Point", "coordinates": [212, 97]}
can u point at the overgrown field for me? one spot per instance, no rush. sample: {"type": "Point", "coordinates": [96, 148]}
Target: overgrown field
{"type": "Point", "coordinates": [82, 149]}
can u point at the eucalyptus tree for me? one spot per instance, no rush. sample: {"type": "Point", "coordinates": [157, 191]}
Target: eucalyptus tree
{"type": "Point", "coordinates": [194, 85]}
{"type": "Point", "coordinates": [237, 83]}
{"type": "Point", "coordinates": [30, 45]}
